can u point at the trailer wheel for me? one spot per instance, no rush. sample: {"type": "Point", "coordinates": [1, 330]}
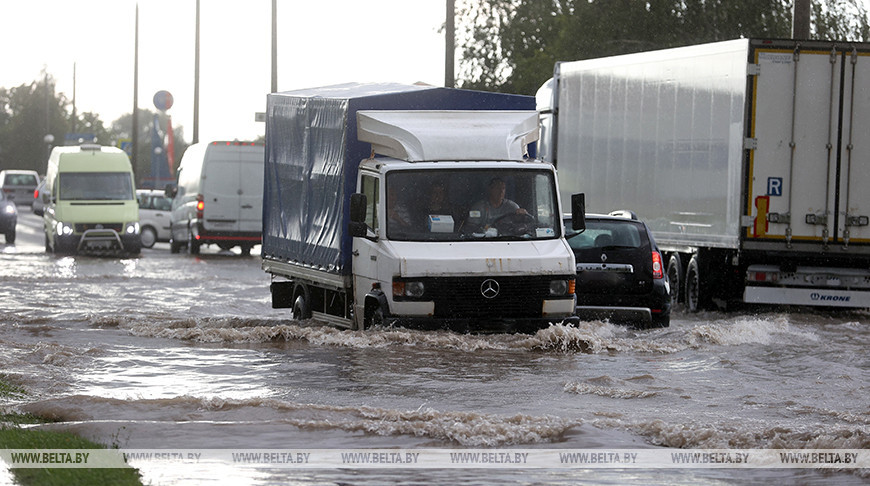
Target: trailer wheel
{"type": "Point", "coordinates": [676, 277]}
{"type": "Point", "coordinates": [693, 286]}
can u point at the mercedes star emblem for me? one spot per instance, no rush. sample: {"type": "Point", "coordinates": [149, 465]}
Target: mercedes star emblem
{"type": "Point", "coordinates": [489, 288]}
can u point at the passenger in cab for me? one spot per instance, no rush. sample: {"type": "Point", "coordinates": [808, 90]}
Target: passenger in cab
{"type": "Point", "coordinates": [494, 207]}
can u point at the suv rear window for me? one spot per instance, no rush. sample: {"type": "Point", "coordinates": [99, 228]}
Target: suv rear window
{"type": "Point", "coordinates": [20, 180]}
{"type": "Point", "coordinates": [607, 234]}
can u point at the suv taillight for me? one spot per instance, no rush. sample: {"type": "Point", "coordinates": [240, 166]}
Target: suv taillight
{"type": "Point", "coordinates": [657, 265]}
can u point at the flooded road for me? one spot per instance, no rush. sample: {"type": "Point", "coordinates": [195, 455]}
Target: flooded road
{"type": "Point", "coordinates": [181, 351]}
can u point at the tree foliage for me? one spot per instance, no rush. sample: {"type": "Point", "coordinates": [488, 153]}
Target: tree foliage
{"type": "Point", "coordinates": [513, 45]}
{"type": "Point", "coordinates": [31, 111]}
{"type": "Point", "coordinates": [27, 114]}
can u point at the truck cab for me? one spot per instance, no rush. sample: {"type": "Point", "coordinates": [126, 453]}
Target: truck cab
{"type": "Point", "coordinates": [451, 228]}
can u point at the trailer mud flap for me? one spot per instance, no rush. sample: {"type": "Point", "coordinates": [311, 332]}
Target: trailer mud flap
{"type": "Point", "coordinates": [807, 297]}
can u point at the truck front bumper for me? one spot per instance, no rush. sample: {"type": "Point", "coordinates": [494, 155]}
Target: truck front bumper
{"type": "Point", "coordinates": [422, 315]}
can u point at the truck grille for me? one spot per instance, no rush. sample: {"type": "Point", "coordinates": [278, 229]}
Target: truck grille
{"type": "Point", "coordinates": [82, 227]}
{"type": "Point", "coordinates": [517, 297]}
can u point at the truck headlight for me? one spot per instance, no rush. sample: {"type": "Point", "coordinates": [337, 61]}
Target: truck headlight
{"type": "Point", "coordinates": [408, 289]}
{"type": "Point", "coordinates": [63, 228]}
{"type": "Point", "coordinates": [559, 287]}
{"type": "Point", "coordinates": [132, 228]}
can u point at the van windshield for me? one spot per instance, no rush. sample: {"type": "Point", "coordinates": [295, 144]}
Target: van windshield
{"type": "Point", "coordinates": [471, 205]}
{"type": "Point", "coordinates": [95, 186]}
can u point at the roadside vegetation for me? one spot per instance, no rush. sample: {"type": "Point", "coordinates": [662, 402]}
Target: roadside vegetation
{"type": "Point", "coordinates": [15, 435]}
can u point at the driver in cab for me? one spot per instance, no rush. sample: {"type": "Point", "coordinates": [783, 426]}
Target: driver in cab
{"type": "Point", "coordinates": [496, 206]}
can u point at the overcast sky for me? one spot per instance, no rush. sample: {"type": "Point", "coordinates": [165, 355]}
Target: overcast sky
{"type": "Point", "coordinates": [320, 43]}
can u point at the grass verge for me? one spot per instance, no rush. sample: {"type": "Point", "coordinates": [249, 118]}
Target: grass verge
{"type": "Point", "coordinates": [13, 436]}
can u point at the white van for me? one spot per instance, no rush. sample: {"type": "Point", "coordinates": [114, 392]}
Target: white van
{"type": "Point", "coordinates": [90, 202]}
{"type": "Point", "coordinates": [219, 197]}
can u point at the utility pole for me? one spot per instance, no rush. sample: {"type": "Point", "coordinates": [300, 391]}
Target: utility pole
{"type": "Point", "coordinates": [134, 136]}
{"type": "Point", "coordinates": [196, 80]}
{"type": "Point", "coordinates": [800, 23]}
{"type": "Point", "coordinates": [73, 129]}
{"type": "Point", "coordinates": [450, 42]}
{"type": "Point", "coordinates": [274, 46]}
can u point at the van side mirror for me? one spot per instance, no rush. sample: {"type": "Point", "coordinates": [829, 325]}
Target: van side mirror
{"type": "Point", "coordinates": [578, 211]}
{"type": "Point", "coordinates": [170, 191]}
{"type": "Point", "coordinates": [357, 226]}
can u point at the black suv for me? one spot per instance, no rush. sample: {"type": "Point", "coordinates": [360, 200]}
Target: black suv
{"type": "Point", "coordinates": [620, 276]}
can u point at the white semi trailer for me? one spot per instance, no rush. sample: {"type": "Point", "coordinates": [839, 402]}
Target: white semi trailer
{"type": "Point", "coordinates": [747, 158]}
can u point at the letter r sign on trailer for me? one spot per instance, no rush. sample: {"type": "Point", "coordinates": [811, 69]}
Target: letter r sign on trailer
{"type": "Point", "coordinates": [774, 186]}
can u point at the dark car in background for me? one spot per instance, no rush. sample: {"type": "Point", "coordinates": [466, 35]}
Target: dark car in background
{"type": "Point", "coordinates": [18, 185]}
{"type": "Point", "coordinates": [620, 276]}
{"type": "Point", "coordinates": [8, 218]}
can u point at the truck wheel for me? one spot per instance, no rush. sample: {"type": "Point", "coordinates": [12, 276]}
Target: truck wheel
{"type": "Point", "coordinates": [675, 278]}
{"type": "Point", "coordinates": [377, 317]}
{"type": "Point", "coordinates": [246, 250]}
{"type": "Point", "coordinates": [300, 308]}
{"type": "Point", "coordinates": [148, 236]}
{"type": "Point", "coordinates": [693, 286]}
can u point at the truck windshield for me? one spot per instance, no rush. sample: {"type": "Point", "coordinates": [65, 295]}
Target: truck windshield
{"type": "Point", "coordinates": [95, 186]}
{"type": "Point", "coordinates": [472, 204]}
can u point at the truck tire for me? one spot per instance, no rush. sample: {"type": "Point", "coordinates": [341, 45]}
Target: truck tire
{"type": "Point", "coordinates": [301, 303]}
{"type": "Point", "coordinates": [300, 309]}
{"type": "Point", "coordinates": [676, 277]}
{"type": "Point", "coordinates": [246, 250]}
{"type": "Point", "coordinates": [694, 295]}
{"type": "Point", "coordinates": [374, 314]}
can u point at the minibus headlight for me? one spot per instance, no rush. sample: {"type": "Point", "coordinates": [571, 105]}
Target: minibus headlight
{"type": "Point", "coordinates": [63, 228]}
{"type": "Point", "coordinates": [132, 228]}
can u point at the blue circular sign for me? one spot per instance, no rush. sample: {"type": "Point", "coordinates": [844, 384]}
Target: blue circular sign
{"type": "Point", "coordinates": [163, 100]}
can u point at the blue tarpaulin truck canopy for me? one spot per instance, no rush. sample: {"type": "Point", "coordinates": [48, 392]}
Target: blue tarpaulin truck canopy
{"type": "Point", "coordinates": [312, 157]}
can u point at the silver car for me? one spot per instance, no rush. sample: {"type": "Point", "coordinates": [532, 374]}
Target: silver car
{"type": "Point", "coordinates": [154, 211]}
{"type": "Point", "coordinates": [18, 185]}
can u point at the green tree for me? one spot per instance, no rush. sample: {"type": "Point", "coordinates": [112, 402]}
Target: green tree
{"type": "Point", "coordinates": [27, 114]}
{"type": "Point", "coordinates": [513, 45]}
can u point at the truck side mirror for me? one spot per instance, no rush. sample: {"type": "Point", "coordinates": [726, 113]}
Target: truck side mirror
{"type": "Point", "coordinates": [170, 191]}
{"type": "Point", "coordinates": [357, 226]}
{"type": "Point", "coordinates": [578, 211]}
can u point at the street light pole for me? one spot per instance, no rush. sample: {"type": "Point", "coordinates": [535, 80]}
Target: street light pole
{"type": "Point", "coordinates": [134, 134]}
{"type": "Point", "coordinates": [196, 80]}
{"type": "Point", "coordinates": [450, 41]}
{"type": "Point", "coordinates": [274, 46]}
